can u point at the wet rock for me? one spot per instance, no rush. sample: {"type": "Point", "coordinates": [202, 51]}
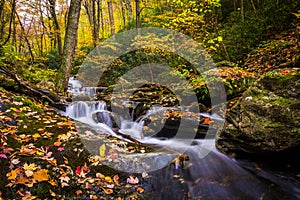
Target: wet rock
{"type": "Point", "coordinates": [267, 116]}
{"type": "Point", "coordinates": [106, 117]}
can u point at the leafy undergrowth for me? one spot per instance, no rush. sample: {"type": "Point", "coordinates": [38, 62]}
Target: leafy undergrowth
{"type": "Point", "coordinates": [281, 52]}
{"type": "Point", "coordinates": [42, 157]}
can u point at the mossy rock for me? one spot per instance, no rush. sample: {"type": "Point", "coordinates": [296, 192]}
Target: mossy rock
{"type": "Point", "coordinates": [267, 116]}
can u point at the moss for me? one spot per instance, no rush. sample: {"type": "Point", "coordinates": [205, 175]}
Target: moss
{"type": "Point", "coordinates": [106, 170]}
{"type": "Point", "coordinates": [42, 191]}
{"type": "Point", "coordinates": [76, 153]}
{"type": "Point", "coordinates": [8, 83]}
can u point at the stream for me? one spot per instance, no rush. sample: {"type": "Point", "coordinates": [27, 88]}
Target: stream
{"type": "Point", "coordinates": [212, 176]}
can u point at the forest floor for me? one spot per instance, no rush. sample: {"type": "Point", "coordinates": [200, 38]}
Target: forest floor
{"type": "Point", "coordinates": [42, 156]}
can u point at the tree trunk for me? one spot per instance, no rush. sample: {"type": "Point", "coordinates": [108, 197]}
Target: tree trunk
{"type": "Point", "coordinates": [100, 17]}
{"type": "Point", "coordinates": [123, 13]}
{"type": "Point", "coordinates": [129, 7]}
{"type": "Point", "coordinates": [25, 37]}
{"type": "Point", "coordinates": [56, 26]}
{"type": "Point", "coordinates": [111, 17]}
{"type": "Point", "coordinates": [90, 7]}
{"type": "Point", "coordinates": [12, 16]}
{"type": "Point", "coordinates": [69, 46]}
{"type": "Point", "coordinates": [137, 10]}
{"type": "Point", "coordinates": [242, 11]}
{"type": "Point", "coordinates": [1, 19]}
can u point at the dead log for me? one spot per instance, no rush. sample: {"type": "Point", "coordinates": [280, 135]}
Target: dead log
{"type": "Point", "coordinates": [30, 91]}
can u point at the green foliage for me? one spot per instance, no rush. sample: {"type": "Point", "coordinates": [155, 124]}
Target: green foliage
{"type": "Point", "coordinates": [8, 54]}
{"type": "Point", "coordinates": [42, 78]}
{"type": "Point", "coordinates": [53, 60]}
{"type": "Point", "coordinates": [243, 31]}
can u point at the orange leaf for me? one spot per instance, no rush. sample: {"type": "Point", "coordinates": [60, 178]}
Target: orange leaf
{"type": "Point", "coordinates": [13, 174]}
{"type": "Point", "coordinates": [107, 190]}
{"type": "Point", "coordinates": [78, 192]}
{"type": "Point", "coordinates": [57, 144]}
{"type": "Point", "coordinates": [116, 180]}
{"type": "Point", "coordinates": [41, 175]}
{"type": "Point", "coordinates": [53, 182]}
{"type": "Point", "coordinates": [140, 190]}
{"type": "Point", "coordinates": [206, 121]}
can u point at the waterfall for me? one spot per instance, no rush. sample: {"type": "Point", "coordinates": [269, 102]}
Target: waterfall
{"type": "Point", "coordinates": [90, 112]}
{"type": "Point", "coordinates": [135, 129]}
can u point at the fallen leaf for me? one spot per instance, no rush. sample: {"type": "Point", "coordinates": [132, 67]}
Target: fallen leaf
{"type": "Point", "coordinates": [30, 167]}
{"type": "Point", "coordinates": [145, 175]}
{"type": "Point", "coordinates": [140, 190]}
{"type": "Point", "coordinates": [53, 182]}
{"type": "Point", "coordinates": [13, 174]}
{"type": "Point", "coordinates": [206, 121]}
{"type": "Point", "coordinates": [52, 193]}
{"type": "Point", "coordinates": [102, 150]}
{"type": "Point", "coordinates": [3, 156]}
{"type": "Point", "coordinates": [107, 190]}
{"type": "Point", "coordinates": [41, 175]}
{"type": "Point", "coordinates": [78, 170]}
{"type": "Point", "coordinates": [99, 175]}
{"type": "Point", "coordinates": [28, 173]}
{"type": "Point", "coordinates": [60, 149]}
{"type": "Point", "coordinates": [64, 184]}
{"type": "Point", "coordinates": [176, 176]}
{"type": "Point", "coordinates": [57, 143]}
{"type": "Point", "coordinates": [78, 192]}
{"type": "Point", "coordinates": [36, 135]}
{"type": "Point", "coordinates": [64, 179]}
{"type": "Point", "coordinates": [116, 180]}
{"type": "Point", "coordinates": [108, 179]}
{"type": "Point", "coordinates": [15, 161]}
{"type": "Point", "coordinates": [132, 180]}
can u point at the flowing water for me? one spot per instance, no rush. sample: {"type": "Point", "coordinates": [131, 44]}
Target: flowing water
{"type": "Point", "coordinates": [215, 176]}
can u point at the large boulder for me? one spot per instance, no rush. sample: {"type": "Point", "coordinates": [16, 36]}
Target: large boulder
{"type": "Point", "coordinates": [267, 116]}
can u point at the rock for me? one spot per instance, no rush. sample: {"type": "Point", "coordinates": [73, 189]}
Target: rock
{"type": "Point", "coordinates": [267, 116]}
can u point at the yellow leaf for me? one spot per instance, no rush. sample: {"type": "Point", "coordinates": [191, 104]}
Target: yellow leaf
{"type": "Point", "coordinates": [30, 167]}
{"type": "Point", "coordinates": [41, 175]}
{"type": "Point", "coordinates": [108, 179]}
{"type": "Point", "coordinates": [36, 135]}
{"type": "Point", "coordinates": [102, 150]}
{"type": "Point", "coordinates": [29, 197]}
{"type": "Point", "coordinates": [99, 175]}
{"type": "Point", "coordinates": [39, 153]}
